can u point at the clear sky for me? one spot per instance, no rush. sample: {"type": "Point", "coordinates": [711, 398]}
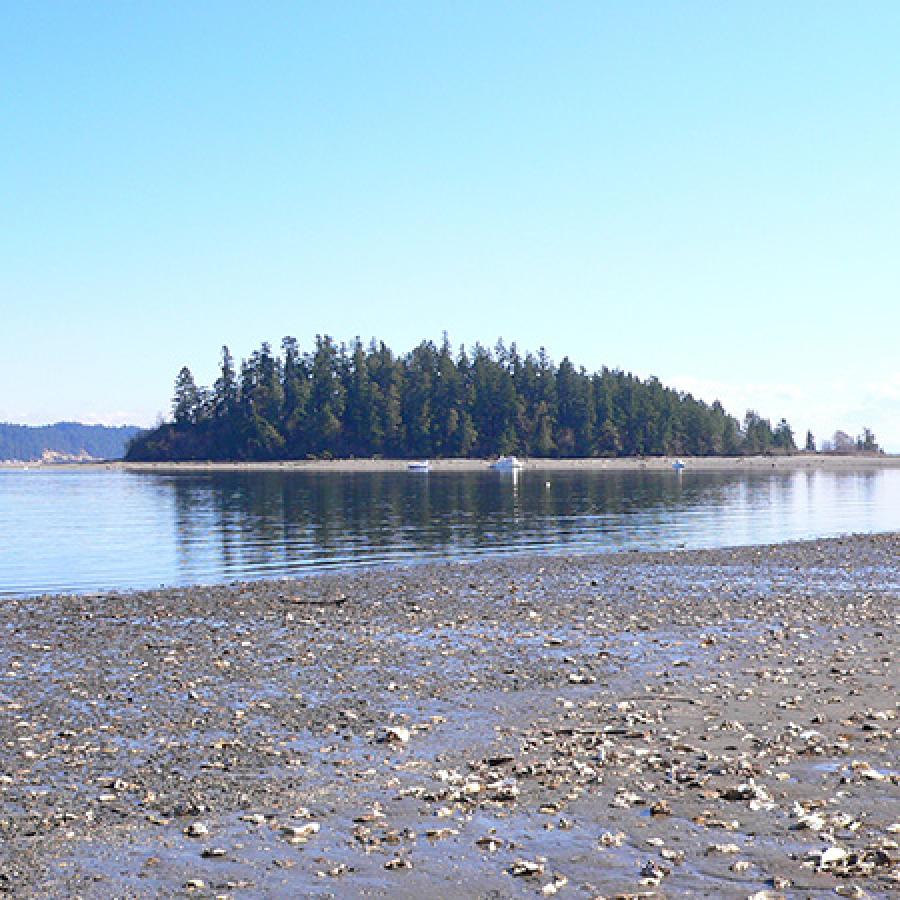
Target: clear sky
{"type": "Point", "coordinates": [707, 192]}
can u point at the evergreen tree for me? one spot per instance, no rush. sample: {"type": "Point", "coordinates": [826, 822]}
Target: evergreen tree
{"type": "Point", "coordinates": [296, 391]}
{"type": "Point", "coordinates": [269, 393]}
{"type": "Point", "coordinates": [783, 437]}
{"type": "Point", "coordinates": [420, 377]}
{"type": "Point", "coordinates": [609, 442]}
{"type": "Point", "coordinates": [225, 390]}
{"type": "Point", "coordinates": [327, 398]}
{"type": "Point", "coordinates": [448, 406]}
{"type": "Point", "coordinates": [187, 400]}
{"type": "Point", "coordinates": [386, 373]}
{"type": "Point", "coordinates": [360, 414]}
{"type": "Point", "coordinates": [341, 400]}
{"type": "Point", "coordinates": [576, 413]}
{"type": "Point", "coordinates": [757, 433]}
{"type": "Point", "coordinates": [868, 442]}
{"type": "Point", "coordinates": [731, 437]}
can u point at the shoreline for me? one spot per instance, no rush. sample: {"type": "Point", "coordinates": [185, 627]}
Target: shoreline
{"type": "Point", "coordinates": [797, 462]}
{"type": "Point", "coordinates": [691, 723]}
{"type": "Point", "coordinates": [409, 567]}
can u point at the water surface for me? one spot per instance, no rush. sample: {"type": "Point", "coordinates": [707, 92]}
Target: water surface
{"type": "Point", "coordinates": [71, 530]}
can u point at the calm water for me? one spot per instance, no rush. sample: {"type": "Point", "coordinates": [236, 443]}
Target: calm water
{"type": "Point", "coordinates": [82, 531]}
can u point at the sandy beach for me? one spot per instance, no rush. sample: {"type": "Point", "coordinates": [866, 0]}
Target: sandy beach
{"type": "Point", "coordinates": [715, 723]}
{"type": "Point", "coordinates": [798, 461]}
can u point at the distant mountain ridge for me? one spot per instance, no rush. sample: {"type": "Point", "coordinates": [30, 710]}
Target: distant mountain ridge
{"type": "Point", "coordinates": [64, 439]}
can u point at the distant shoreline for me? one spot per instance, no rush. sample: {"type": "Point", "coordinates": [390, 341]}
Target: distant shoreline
{"type": "Point", "coordinates": [796, 462]}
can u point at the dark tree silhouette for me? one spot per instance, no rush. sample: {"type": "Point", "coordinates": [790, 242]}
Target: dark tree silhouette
{"type": "Point", "coordinates": [340, 401]}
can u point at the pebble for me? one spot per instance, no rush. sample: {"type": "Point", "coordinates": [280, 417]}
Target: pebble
{"type": "Point", "coordinates": [300, 833]}
{"type": "Point", "coordinates": [397, 734]}
{"type": "Point", "coordinates": [524, 868]}
{"type": "Point", "coordinates": [703, 698]}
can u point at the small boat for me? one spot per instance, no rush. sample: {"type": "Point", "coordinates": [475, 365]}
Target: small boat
{"type": "Point", "coordinates": [678, 465]}
{"type": "Point", "coordinates": [420, 465]}
{"type": "Point", "coordinates": [508, 464]}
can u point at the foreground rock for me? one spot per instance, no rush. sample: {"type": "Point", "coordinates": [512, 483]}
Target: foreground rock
{"type": "Point", "coordinates": [718, 723]}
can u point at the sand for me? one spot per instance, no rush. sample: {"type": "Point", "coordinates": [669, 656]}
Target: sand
{"type": "Point", "coordinates": [797, 462]}
{"type": "Point", "coordinates": [714, 723]}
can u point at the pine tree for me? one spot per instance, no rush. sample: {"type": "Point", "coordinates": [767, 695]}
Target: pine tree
{"type": "Point", "coordinates": [296, 390]}
{"type": "Point", "coordinates": [868, 442]}
{"type": "Point", "coordinates": [783, 437]}
{"type": "Point", "coordinates": [186, 402]}
{"type": "Point", "coordinates": [326, 399]}
{"type": "Point", "coordinates": [339, 400]}
{"type": "Point", "coordinates": [225, 391]}
{"type": "Point", "coordinates": [360, 413]}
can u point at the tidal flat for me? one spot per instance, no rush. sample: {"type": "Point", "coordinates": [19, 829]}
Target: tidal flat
{"type": "Point", "coordinates": [715, 723]}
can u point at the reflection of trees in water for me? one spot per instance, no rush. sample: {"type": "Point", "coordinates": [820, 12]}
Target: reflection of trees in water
{"type": "Point", "coordinates": [194, 522]}
{"type": "Point", "coordinates": [259, 519]}
{"type": "Point", "coordinates": [252, 522]}
{"type": "Point", "coordinates": [821, 487]}
{"type": "Point", "coordinates": [867, 483]}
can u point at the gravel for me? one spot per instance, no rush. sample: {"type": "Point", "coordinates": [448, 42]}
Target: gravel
{"type": "Point", "coordinates": [717, 723]}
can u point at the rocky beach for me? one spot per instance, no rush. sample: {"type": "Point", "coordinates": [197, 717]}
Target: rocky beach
{"type": "Point", "coordinates": [717, 723]}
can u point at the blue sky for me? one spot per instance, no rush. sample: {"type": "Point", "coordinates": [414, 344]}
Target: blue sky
{"type": "Point", "coordinates": [706, 192]}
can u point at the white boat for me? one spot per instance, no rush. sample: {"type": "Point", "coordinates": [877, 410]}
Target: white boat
{"type": "Point", "coordinates": [678, 465]}
{"type": "Point", "coordinates": [420, 465]}
{"type": "Point", "coordinates": [508, 464]}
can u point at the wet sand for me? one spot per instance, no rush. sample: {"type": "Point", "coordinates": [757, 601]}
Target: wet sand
{"type": "Point", "coordinates": [717, 723]}
{"type": "Point", "coordinates": [797, 462]}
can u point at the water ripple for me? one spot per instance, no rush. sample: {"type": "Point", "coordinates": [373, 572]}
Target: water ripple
{"type": "Point", "coordinates": [92, 530]}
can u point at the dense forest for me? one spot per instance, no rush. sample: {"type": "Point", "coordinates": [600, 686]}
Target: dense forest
{"type": "Point", "coordinates": [29, 442]}
{"type": "Point", "coordinates": [357, 401]}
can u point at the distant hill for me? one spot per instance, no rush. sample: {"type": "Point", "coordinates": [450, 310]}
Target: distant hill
{"type": "Point", "coordinates": [64, 439]}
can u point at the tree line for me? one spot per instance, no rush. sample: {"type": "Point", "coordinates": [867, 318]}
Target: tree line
{"type": "Point", "coordinates": [340, 400]}
{"type": "Point", "coordinates": [841, 443]}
